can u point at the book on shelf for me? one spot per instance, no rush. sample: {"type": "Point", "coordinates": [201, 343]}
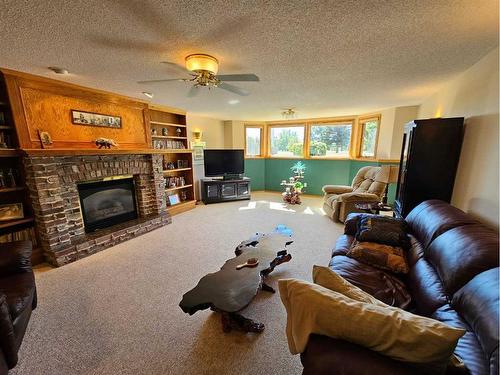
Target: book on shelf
{"type": "Point", "coordinates": [173, 182]}
{"type": "Point", "coordinates": [20, 235]}
{"type": "Point", "coordinates": [168, 144]}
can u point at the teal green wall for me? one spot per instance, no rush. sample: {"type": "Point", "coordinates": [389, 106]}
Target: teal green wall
{"type": "Point", "coordinates": [317, 174]}
{"type": "Point", "coordinates": [255, 169]}
{"type": "Point", "coordinates": [267, 174]}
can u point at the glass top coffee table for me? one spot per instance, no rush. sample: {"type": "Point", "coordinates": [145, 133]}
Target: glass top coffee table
{"type": "Point", "coordinates": [235, 285]}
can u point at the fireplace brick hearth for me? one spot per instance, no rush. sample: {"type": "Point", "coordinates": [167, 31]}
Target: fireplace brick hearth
{"type": "Point", "coordinates": [52, 182]}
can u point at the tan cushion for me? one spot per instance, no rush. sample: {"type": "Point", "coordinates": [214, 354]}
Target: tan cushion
{"type": "Point", "coordinates": [391, 258]}
{"type": "Point", "coordinates": [390, 331]}
{"type": "Point", "coordinates": [329, 279]}
{"type": "Point", "coordinates": [329, 198]}
{"type": "Point", "coordinates": [371, 180]}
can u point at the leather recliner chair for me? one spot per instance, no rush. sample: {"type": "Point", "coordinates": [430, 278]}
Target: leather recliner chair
{"type": "Point", "coordinates": [17, 299]}
{"type": "Point", "coordinates": [368, 185]}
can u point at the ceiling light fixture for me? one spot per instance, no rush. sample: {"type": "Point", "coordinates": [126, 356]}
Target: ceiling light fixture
{"type": "Point", "coordinates": [288, 113]}
{"type": "Point", "coordinates": [59, 70]}
{"type": "Point", "coordinates": [148, 94]}
{"type": "Point", "coordinates": [233, 101]}
{"type": "Point", "coordinates": [199, 62]}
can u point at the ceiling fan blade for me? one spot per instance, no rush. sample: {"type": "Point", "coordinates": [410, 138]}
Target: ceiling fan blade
{"type": "Point", "coordinates": [233, 89]}
{"type": "Point", "coordinates": [238, 77]}
{"type": "Point", "coordinates": [193, 91]}
{"type": "Point", "coordinates": [164, 80]}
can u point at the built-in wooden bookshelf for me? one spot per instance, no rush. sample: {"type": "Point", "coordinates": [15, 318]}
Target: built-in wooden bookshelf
{"type": "Point", "coordinates": [169, 136]}
{"type": "Point", "coordinates": [13, 190]}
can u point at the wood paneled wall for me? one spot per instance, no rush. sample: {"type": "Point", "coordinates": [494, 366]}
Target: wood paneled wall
{"type": "Point", "coordinates": [44, 104]}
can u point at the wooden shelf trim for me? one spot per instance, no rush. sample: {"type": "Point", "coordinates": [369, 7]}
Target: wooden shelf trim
{"type": "Point", "coordinates": [167, 137]}
{"type": "Point", "coordinates": [182, 204]}
{"type": "Point", "coordinates": [8, 152]}
{"type": "Point", "coordinates": [4, 127]}
{"type": "Point", "coordinates": [175, 151]}
{"type": "Point", "coordinates": [8, 190]}
{"type": "Point", "coordinates": [95, 151]}
{"type": "Point", "coordinates": [167, 124]}
{"type": "Point", "coordinates": [11, 223]}
{"type": "Point", "coordinates": [181, 207]}
{"type": "Point", "coordinates": [178, 188]}
{"type": "Point", "coordinates": [176, 170]}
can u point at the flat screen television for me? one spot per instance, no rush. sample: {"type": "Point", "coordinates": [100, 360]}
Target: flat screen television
{"type": "Point", "coordinates": [225, 163]}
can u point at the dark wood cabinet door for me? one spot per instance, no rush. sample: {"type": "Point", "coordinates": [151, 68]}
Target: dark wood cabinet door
{"type": "Point", "coordinates": [429, 160]}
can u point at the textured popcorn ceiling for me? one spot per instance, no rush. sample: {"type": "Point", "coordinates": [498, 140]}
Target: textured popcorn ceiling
{"type": "Point", "coordinates": [325, 58]}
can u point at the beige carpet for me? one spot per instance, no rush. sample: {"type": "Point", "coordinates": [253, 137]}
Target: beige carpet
{"type": "Point", "coordinates": [117, 312]}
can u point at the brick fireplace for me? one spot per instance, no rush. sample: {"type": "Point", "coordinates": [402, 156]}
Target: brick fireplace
{"type": "Point", "coordinates": [53, 185]}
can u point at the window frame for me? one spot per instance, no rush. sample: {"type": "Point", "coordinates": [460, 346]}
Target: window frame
{"type": "Point", "coordinates": [294, 124]}
{"type": "Point", "coordinates": [333, 122]}
{"type": "Point", "coordinates": [361, 125]}
{"type": "Point", "coordinates": [262, 141]}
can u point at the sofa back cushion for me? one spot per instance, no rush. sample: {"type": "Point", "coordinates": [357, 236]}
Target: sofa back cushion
{"type": "Point", "coordinates": [433, 217]}
{"type": "Point", "coordinates": [462, 253]}
{"type": "Point", "coordinates": [478, 303]}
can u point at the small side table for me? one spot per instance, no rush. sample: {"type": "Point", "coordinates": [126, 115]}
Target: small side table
{"type": "Point", "coordinates": [373, 207]}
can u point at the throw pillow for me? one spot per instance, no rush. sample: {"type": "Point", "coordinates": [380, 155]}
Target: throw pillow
{"type": "Point", "coordinates": [388, 330]}
{"type": "Point", "coordinates": [384, 230]}
{"type": "Point", "coordinates": [386, 257]}
{"type": "Point", "coordinates": [352, 221]}
{"type": "Point", "coordinates": [329, 279]}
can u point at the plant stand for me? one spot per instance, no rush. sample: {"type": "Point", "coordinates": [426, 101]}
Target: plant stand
{"type": "Point", "coordinates": [294, 186]}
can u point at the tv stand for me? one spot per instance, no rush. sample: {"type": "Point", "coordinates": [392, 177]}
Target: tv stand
{"type": "Point", "coordinates": [232, 177]}
{"type": "Point", "coordinates": [224, 190]}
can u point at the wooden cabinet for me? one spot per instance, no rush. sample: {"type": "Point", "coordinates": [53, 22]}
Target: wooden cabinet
{"type": "Point", "coordinates": [429, 160]}
{"type": "Point", "coordinates": [217, 190]}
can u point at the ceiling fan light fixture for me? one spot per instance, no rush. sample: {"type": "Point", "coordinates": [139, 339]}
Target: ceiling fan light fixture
{"type": "Point", "coordinates": [288, 113]}
{"type": "Point", "coordinates": [199, 62]}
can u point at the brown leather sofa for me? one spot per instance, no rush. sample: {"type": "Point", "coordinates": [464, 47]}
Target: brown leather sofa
{"type": "Point", "coordinates": [454, 278]}
{"type": "Point", "coordinates": [17, 299]}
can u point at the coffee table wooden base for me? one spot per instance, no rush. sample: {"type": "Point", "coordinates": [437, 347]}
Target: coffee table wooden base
{"type": "Point", "coordinates": [238, 322]}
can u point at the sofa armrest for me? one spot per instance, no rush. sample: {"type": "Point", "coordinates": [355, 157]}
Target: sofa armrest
{"type": "Point", "coordinates": [336, 189]}
{"type": "Point", "coordinates": [358, 197]}
{"type": "Point", "coordinates": [8, 346]}
{"type": "Point", "coordinates": [325, 355]}
{"type": "Point", "coordinates": [16, 257]}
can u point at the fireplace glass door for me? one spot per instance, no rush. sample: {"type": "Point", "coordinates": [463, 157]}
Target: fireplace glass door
{"type": "Point", "coordinates": [106, 203]}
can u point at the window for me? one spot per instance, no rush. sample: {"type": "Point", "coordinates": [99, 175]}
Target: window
{"type": "Point", "coordinates": [253, 141]}
{"type": "Point", "coordinates": [369, 137]}
{"type": "Point", "coordinates": [330, 140]}
{"type": "Point", "coordinates": [286, 141]}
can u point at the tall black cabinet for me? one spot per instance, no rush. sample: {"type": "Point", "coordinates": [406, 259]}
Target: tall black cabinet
{"type": "Point", "coordinates": [429, 160]}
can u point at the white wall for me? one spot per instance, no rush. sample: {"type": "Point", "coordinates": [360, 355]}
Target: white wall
{"type": "Point", "coordinates": [212, 133]}
{"type": "Point", "coordinates": [385, 135]}
{"type": "Point", "coordinates": [212, 129]}
{"type": "Point", "coordinates": [474, 95]}
{"type": "Point", "coordinates": [402, 116]}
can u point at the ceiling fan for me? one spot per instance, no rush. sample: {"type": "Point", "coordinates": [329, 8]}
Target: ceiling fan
{"type": "Point", "coordinates": [203, 71]}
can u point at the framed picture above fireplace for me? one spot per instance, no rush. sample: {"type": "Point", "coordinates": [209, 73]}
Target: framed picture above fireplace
{"type": "Point", "coordinates": [95, 119]}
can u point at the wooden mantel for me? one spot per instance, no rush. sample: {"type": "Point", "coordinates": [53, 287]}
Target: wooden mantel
{"type": "Point", "coordinates": [96, 151]}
